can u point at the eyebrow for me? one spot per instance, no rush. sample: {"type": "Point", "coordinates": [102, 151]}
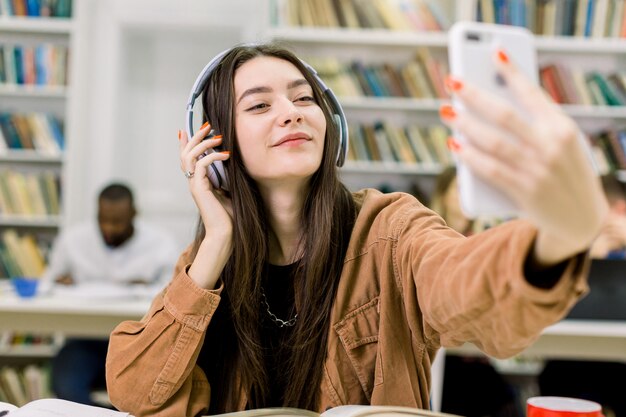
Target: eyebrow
{"type": "Point", "coordinates": [263, 89]}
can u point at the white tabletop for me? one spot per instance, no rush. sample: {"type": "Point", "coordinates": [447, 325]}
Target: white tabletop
{"type": "Point", "coordinates": [90, 311]}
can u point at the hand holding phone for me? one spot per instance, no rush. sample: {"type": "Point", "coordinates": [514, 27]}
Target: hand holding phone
{"type": "Point", "coordinates": [517, 151]}
{"type": "Point", "coordinates": [472, 46]}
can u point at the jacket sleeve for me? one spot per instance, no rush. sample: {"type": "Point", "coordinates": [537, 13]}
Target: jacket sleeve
{"type": "Point", "coordinates": [151, 364]}
{"type": "Point", "coordinates": [474, 289]}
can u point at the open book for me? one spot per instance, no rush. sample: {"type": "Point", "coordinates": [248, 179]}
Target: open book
{"type": "Point", "coordinates": [53, 407]}
{"type": "Point", "coordinates": [342, 411]}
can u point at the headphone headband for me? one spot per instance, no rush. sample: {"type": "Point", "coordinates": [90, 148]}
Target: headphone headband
{"type": "Point", "coordinates": [217, 174]}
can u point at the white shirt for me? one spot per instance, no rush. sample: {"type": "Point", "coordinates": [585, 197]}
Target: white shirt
{"type": "Point", "coordinates": [149, 255]}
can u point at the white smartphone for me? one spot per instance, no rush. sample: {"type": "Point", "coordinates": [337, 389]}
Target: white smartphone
{"type": "Point", "coordinates": [471, 50]}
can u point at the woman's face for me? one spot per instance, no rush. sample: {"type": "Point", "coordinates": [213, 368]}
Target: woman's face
{"type": "Point", "coordinates": [280, 128]}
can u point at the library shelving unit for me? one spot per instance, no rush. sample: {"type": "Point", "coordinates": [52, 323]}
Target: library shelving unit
{"type": "Point", "coordinates": [34, 97]}
{"type": "Point", "coordinates": [312, 39]}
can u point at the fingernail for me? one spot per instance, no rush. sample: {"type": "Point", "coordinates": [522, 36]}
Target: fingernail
{"type": "Point", "coordinates": [453, 84]}
{"type": "Point", "coordinates": [503, 57]}
{"type": "Point", "coordinates": [225, 152]}
{"type": "Point", "coordinates": [180, 134]}
{"type": "Point", "coordinates": [447, 112]}
{"type": "Point", "coordinates": [204, 125]}
{"type": "Point", "coordinates": [217, 137]}
{"type": "Point", "coordinates": [453, 145]}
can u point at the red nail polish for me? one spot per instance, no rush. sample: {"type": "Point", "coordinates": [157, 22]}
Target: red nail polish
{"type": "Point", "coordinates": [453, 145]}
{"type": "Point", "coordinates": [180, 134]}
{"type": "Point", "coordinates": [503, 57]}
{"type": "Point", "coordinates": [453, 84]}
{"type": "Point", "coordinates": [204, 125]}
{"type": "Point", "coordinates": [447, 112]}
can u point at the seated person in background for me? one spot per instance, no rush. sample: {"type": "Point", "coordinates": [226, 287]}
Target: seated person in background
{"type": "Point", "coordinates": [593, 380]}
{"type": "Point", "coordinates": [472, 387]}
{"type": "Point", "coordinates": [115, 249]}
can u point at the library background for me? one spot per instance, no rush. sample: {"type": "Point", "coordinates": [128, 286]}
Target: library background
{"type": "Point", "coordinates": [94, 90]}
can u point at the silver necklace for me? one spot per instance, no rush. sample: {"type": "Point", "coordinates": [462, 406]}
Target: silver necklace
{"type": "Point", "coordinates": [282, 323]}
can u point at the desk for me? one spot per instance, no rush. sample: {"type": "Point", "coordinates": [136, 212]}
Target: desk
{"type": "Point", "coordinates": [581, 339]}
{"type": "Point", "coordinates": [574, 339]}
{"type": "Point", "coordinates": [73, 317]}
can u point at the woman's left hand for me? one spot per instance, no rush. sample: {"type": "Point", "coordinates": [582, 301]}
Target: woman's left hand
{"type": "Point", "coordinates": [544, 169]}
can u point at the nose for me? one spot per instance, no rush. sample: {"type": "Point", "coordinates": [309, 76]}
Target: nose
{"type": "Point", "coordinates": [291, 114]}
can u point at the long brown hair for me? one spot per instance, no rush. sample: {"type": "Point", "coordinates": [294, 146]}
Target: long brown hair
{"type": "Point", "coordinates": [232, 357]}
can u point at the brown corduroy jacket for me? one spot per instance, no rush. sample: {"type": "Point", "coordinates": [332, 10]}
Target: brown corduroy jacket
{"type": "Point", "coordinates": [409, 286]}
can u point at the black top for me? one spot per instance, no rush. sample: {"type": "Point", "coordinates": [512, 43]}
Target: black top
{"type": "Point", "coordinates": [279, 291]}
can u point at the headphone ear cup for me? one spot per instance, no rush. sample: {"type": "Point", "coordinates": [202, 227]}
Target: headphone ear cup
{"type": "Point", "coordinates": [217, 175]}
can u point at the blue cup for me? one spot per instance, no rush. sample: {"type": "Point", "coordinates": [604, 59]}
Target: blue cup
{"type": "Point", "coordinates": [25, 287]}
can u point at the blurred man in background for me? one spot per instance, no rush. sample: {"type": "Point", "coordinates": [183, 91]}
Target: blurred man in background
{"type": "Point", "coordinates": [116, 249]}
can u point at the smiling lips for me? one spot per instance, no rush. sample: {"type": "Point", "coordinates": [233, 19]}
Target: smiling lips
{"type": "Point", "coordinates": [293, 139]}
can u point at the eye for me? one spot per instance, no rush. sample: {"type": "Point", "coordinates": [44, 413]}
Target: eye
{"type": "Point", "coordinates": [306, 99]}
{"type": "Point", "coordinates": [260, 106]}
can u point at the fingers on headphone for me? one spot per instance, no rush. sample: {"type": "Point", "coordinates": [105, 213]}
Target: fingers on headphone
{"type": "Point", "coordinates": [196, 148]}
{"type": "Point", "coordinates": [211, 157]}
{"type": "Point", "coordinates": [201, 133]}
{"type": "Point", "coordinates": [205, 147]}
{"type": "Point", "coordinates": [202, 164]}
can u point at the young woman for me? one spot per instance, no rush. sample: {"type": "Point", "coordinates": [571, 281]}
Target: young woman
{"type": "Point", "coordinates": [297, 292]}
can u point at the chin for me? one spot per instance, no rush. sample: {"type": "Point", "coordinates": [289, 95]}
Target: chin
{"type": "Point", "coordinates": [296, 168]}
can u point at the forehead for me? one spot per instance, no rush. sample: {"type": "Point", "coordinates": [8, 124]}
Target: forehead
{"type": "Point", "coordinates": [265, 70]}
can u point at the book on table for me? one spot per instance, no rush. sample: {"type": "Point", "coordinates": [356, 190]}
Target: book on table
{"type": "Point", "coordinates": [342, 411]}
{"type": "Point", "coordinates": [54, 407]}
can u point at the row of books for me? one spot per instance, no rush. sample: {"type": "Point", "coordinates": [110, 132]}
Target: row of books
{"type": "Point", "coordinates": [42, 65]}
{"type": "Point", "coordinates": [585, 18]}
{"type": "Point", "coordinates": [42, 132]}
{"type": "Point", "coordinates": [11, 340]}
{"type": "Point", "coordinates": [22, 255]}
{"type": "Point", "coordinates": [575, 86]}
{"type": "Point", "coordinates": [29, 193]}
{"type": "Point", "coordinates": [421, 77]}
{"type": "Point", "coordinates": [609, 147]}
{"type": "Point", "coordinates": [36, 8]}
{"type": "Point", "coordinates": [27, 344]}
{"type": "Point", "coordinates": [384, 142]}
{"type": "Point", "coordinates": [413, 144]}
{"type": "Point", "coordinates": [20, 385]}
{"type": "Point", "coordinates": [406, 15]}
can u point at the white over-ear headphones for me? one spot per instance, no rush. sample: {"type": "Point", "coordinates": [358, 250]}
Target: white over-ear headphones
{"type": "Point", "coordinates": [217, 174]}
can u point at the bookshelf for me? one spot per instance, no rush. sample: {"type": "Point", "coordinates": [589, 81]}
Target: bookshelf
{"type": "Point", "coordinates": [34, 95]}
{"type": "Point", "coordinates": [35, 92]}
